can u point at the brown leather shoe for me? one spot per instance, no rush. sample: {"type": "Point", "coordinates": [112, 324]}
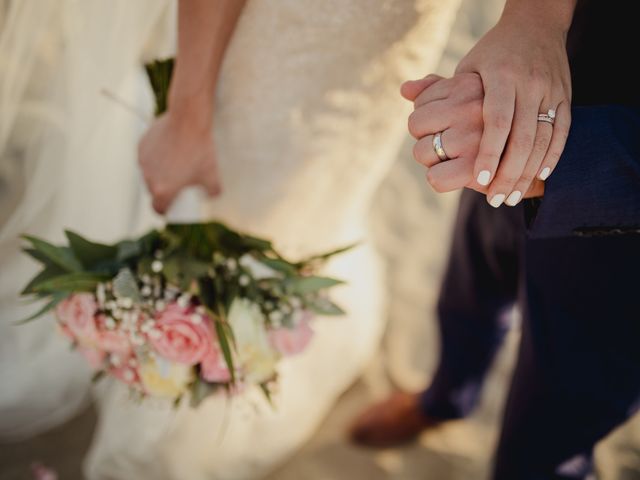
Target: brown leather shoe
{"type": "Point", "coordinates": [392, 422]}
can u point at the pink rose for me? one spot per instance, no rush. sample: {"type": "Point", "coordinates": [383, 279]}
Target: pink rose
{"type": "Point", "coordinates": [213, 367]}
{"type": "Point", "coordinates": [182, 336]}
{"type": "Point", "coordinates": [291, 341]}
{"type": "Point", "coordinates": [111, 340]}
{"type": "Point", "coordinates": [76, 313]}
{"type": "Point", "coordinates": [126, 374]}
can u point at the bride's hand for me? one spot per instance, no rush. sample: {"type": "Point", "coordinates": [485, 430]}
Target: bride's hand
{"type": "Point", "coordinates": [524, 69]}
{"type": "Point", "coordinates": [175, 153]}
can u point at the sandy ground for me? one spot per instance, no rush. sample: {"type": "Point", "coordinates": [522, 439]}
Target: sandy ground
{"type": "Point", "coordinates": [413, 239]}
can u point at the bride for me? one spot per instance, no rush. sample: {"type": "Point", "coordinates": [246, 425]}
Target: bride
{"type": "Point", "coordinates": [306, 121]}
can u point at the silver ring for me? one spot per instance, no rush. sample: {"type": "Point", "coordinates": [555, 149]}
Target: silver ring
{"type": "Point", "coordinates": [549, 117]}
{"type": "Point", "coordinates": [439, 149]}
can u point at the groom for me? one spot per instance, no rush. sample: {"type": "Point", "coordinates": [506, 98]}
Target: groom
{"type": "Point", "coordinates": [571, 259]}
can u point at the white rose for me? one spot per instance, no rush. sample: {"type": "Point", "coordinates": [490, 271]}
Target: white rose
{"type": "Point", "coordinates": [256, 356]}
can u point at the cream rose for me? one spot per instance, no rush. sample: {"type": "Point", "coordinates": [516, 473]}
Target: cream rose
{"type": "Point", "coordinates": [162, 378]}
{"type": "Point", "coordinates": [255, 355]}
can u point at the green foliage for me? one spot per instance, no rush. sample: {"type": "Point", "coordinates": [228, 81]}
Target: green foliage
{"type": "Point", "coordinates": [90, 254]}
{"type": "Point", "coordinates": [63, 257]}
{"type": "Point", "coordinates": [306, 285]}
{"type": "Point", "coordinates": [159, 73]}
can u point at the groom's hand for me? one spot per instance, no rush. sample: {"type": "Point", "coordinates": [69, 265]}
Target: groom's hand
{"type": "Point", "coordinates": [175, 153]}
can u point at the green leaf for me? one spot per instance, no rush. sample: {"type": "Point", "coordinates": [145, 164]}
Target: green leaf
{"type": "Point", "coordinates": [332, 253]}
{"type": "Point", "coordinates": [200, 390]}
{"type": "Point", "coordinates": [279, 265]}
{"type": "Point", "coordinates": [132, 249]}
{"type": "Point", "coordinates": [128, 249]}
{"type": "Point", "coordinates": [323, 306]}
{"type": "Point", "coordinates": [183, 270]}
{"type": "Point", "coordinates": [306, 285]}
{"type": "Point", "coordinates": [55, 299]}
{"type": "Point", "coordinates": [49, 272]}
{"type": "Point", "coordinates": [255, 243]}
{"type": "Point", "coordinates": [159, 73]}
{"type": "Point", "coordinates": [90, 253]}
{"type": "Point", "coordinates": [61, 256]}
{"type": "Point", "coordinates": [225, 337]}
{"type": "Point", "coordinates": [72, 282]}
{"type": "Point", "coordinates": [267, 393]}
{"type": "Point", "coordinates": [38, 256]}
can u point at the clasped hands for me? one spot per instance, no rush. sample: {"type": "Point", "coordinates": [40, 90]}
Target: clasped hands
{"type": "Point", "coordinates": [506, 166]}
{"type": "Point", "coordinates": [487, 113]}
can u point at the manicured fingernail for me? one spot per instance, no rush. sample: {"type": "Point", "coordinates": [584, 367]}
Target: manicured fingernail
{"type": "Point", "coordinates": [544, 174]}
{"type": "Point", "coordinates": [497, 200]}
{"type": "Point", "coordinates": [513, 198]}
{"type": "Point", "coordinates": [483, 177]}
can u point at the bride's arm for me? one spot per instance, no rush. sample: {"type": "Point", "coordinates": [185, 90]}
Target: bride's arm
{"type": "Point", "coordinates": [204, 31]}
{"type": "Point", "coordinates": [178, 149]}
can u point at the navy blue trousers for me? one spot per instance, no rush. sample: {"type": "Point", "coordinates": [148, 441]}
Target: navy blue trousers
{"type": "Point", "coordinates": [578, 371]}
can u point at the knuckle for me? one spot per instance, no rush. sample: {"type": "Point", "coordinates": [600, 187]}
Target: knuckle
{"type": "Point", "coordinates": [413, 125]}
{"type": "Point", "coordinates": [554, 154]}
{"type": "Point", "coordinates": [522, 142]}
{"type": "Point", "coordinates": [488, 156]}
{"type": "Point", "coordinates": [526, 178]}
{"type": "Point", "coordinates": [541, 144]}
{"type": "Point", "coordinates": [505, 179]}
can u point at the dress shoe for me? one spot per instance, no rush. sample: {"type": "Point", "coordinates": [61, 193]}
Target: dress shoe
{"type": "Point", "coordinates": [392, 422]}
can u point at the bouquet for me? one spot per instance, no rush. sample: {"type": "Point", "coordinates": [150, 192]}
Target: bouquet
{"type": "Point", "coordinates": [187, 309]}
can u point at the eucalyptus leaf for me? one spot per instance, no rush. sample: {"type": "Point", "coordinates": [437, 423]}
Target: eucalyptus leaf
{"type": "Point", "coordinates": [126, 286]}
{"type": "Point", "coordinates": [279, 265]}
{"type": "Point", "coordinates": [61, 256]}
{"type": "Point", "coordinates": [323, 306]}
{"type": "Point", "coordinates": [306, 285]}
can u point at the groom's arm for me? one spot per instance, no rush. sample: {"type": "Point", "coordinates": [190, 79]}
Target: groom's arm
{"type": "Point", "coordinates": [595, 189]}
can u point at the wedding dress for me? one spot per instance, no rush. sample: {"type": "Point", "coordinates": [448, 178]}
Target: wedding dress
{"type": "Point", "coordinates": [308, 121]}
{"type": "Point", "coordinates": [67, 160]}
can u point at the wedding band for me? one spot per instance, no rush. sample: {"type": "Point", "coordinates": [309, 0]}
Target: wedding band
{"type": "Point", "coordinates": [549, 117]}
{"type": "Point", "coordinates": [439, 149]}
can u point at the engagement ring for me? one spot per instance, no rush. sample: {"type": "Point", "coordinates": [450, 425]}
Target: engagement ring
{"type": "Point", "coordinates": [549, 117]}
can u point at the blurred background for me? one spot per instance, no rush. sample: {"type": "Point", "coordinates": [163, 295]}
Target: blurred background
{"type": "Point", "coordinates": [406, 217]}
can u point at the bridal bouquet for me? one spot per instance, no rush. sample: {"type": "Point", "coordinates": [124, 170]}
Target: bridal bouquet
{"type": "Point", "coordinates": [189, 308]}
